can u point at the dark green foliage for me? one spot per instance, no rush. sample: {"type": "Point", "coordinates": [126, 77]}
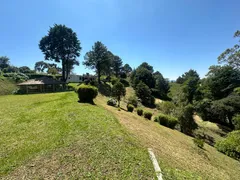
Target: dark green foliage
{"type": "Point", "coordinates": [133, 100]}
{"type": "Point", "coordinates": [117, 65]}
{"type": "Point", "coordinates": [190, 87]}
{"type": "Point", "coordinates": [231, 56]}
{"type": "Point", "coordinates": [144, 75]}
{"type": "Point", "coordinates": [114, 80]}
{"type": "Point", "coordinates": [127, 69]}
{"type": "Point", "coordinates": [11, 69]}
{"type": "Point", "coordinates": [144, 93]}
{"type": "Point", "coordinates": [4, 62]}
{"type": "Point", "coordinates": [123, 75]}
{"type": "Point", "coordinates": [203, 108]}
{"type": "Point", "coordinates": [198, 142]}
{"type": "Point", "coordinates": [17, 77]}
{"type": "Point", "coordinates": [140, 111]}
{"type": "Point", "coordinates": [118, 91]}
{"type": "Point", "coordinates": [221, 81]}
{"type": "Point", "coordinates": [61, 45]}
{"type": "Point", "coordinates": [87, 93]}
{"type": "Point", "coordinates": [161, 86]}
{"type": "Point", "coordinates": [167, 120]}
{"type": "Point", "coordinates": [166, 107]}
{"type": "Point", "coordinates": [130, 108]}
{"type": "Point", "coordinates": [230, 145]}
{"type": "Point", "coordinates": [112, 102]}
{"type": "Point", "coordinates": [125, 82]}
{"type": "Point", "coordinates": [147, 115]}
{"type": "Point", "coordinates": [147, 66]}
{"type": "Point", "coordinates": [24, 69]}
{"type": "Point", "coordinates": [40, 66]}
{"type": "Point", "coordinates": [105, 89]}
{"type": "Point", "coordinates": [97, 59]}
{"type": "Point", "coordinates": [236, 122]}
{"type": "Point", "coordinates": [185, 118]}
{"type": "Point", "coordinates": [187, 75]}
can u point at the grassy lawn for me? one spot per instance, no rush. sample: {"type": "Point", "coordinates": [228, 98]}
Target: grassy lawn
{"type": "Point", "coordinates": [178, 157]}
{"type": "Point", "coordinates": [52, 136]}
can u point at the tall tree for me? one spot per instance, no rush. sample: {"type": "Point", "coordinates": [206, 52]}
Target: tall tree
{"type": "Point", "coordinates": [161, 84]}
{"type": "Point", "coordinates": [147, 66]}
{"type": "Point", "coordinates": [189, 74]}
{"type": "Point", "coordinates": [4, 62]}
{"type": "Point", "coordinates": [144, 75]}
{"type": "Point", "coordinates": [61, 45]}
{"type": "Point", "coordinates": [97, 58]}
{"type": "Point", "coordinates": [119, 91]}
{"type": "Point", "coordinates": [117, 65]}
{"type": "Point", "coordinates": [127, 68]}
{"type": "Point", "coordinates": [231, 56]}
{"type": "Point", "coordinates": [40, 66]}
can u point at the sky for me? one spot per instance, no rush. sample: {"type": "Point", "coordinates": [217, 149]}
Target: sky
{"type": "Point", "coordinates": [171, 35]}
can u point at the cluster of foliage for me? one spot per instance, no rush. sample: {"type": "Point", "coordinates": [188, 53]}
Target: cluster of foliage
{"type": "Point", "coordinates": [17, 77]}
{"type": "Point", "coordinates": [198, 142]}
{"type": "Point", "coordinates": [166, 107]}
{"type": "Point", "coordinates": [62, 46]}
{"type": "Point", "coordinates": [104, 62]}
{"type": "Point", "coordinates": [149, 84]}
{"type": "Point", "coordinates": [118, 91]}
{"type": "Point", "coordinates": [166, 120]}
{"type": "Point", "coordinates": [140, 111]}
{"type": "Point", "coordinates": [133, 100]}
{"type": "Point", "coordinates": [87, 93]}
{"type": "Point", "coordinates": [230, 145]}
{"type": "Point", "coordinates": [147, 115]}
{"type": "Point", "coordinates": [130, 108]}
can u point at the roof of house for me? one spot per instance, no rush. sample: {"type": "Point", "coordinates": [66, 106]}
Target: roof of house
{"type": "Point", "coordinates": [41, 80]}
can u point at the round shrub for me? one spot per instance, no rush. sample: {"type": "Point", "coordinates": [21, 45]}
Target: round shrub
{"type": "Point", "coordinates": [167, 121]}
{"type": "Point", "coordinates": [130, 107]}
{"type": "Point", "coordinates": [147, 115]}
{"type": "Point", "coordinates": [114, 80]}
{"type": "Point", "coordinates": [140, 112]}
{"type": "Point", "coordinates": [87, 93]}
{"type": "Point", "coordinates": [166, 107]}
{"type": "Point", "coordinates": [112, 102]}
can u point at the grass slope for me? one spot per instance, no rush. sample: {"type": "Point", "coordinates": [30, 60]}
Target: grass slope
{"type": "Point", "coordinates": [6, 86]}
{"type": "Point", "coordinates": [51, 136]}
{"type": "Point", "coordinates": [179, 158]}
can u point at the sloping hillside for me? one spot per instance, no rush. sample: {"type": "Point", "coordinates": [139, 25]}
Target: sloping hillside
{"type": "Point", "coordinates": [52, 136]}
{"type": "Point", "coordinates": [176, 152]}
{"type": "Point", "coordinates": [6, 86]}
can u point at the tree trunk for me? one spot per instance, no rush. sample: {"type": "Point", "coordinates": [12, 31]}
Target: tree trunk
{"type": "Point", "coordinates": [99, 74]}
{"type": "Point", "coordinates": [63, 71]}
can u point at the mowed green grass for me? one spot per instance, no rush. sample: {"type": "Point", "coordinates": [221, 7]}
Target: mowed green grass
{"type": "Point", "coordinates": [53, 136]}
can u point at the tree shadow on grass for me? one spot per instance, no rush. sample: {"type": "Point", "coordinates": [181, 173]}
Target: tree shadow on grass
{"type": "Point", "coordinates": [91, 103]}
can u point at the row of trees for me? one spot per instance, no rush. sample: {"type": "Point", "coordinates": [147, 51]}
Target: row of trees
{"type": "Point", "coordinates": [62, 46]}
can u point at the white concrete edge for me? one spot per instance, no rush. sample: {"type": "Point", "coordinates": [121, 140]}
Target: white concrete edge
{"type": "Point", "coordinates": [155, 164]}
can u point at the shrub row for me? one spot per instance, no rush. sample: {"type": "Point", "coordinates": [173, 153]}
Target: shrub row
{"type": "Point", "coordinates": [146, 114]}
{"type": "Point", "coordinates": [166, 120]}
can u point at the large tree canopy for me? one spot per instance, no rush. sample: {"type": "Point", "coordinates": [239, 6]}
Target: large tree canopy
{"type": "Point", "coordinates": [127, 68]}
{"type": "Point", "coordinates": [144, 75]}
{"type": "Point", "coordinates": [40, 66]}
{"type": "Point", "coordinates": [231, 56]}
{"type": "Point", "coordinates": [221, 80]}
{"type": "Point", "coordinates": [61, 45]}
{"type": "Point", "coordinates": [117, 65]}
{"type": "Point", "coordinates": [4, 62]}
{"type": "Point", "coordinates": [97, 58]}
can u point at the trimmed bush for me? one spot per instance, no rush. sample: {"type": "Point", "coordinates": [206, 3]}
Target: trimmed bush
{"type": "Point", "coordinates": [167, 121]}
{"type": "Point", "coordinates": [133, 100]}
{"type": "Point", "coordinates": [230, 145]}
{"type": "Point", "coordinates": [140, 112]}
{"type": "Point", "coordinates": [130, 108]}
{"type": "Point", "coordinates": [87, 93]}
{"type": "Point", "coordinates": [198, 142]}
{"type": "Point", "coordinates": [112, 102]}
{"type": "Point", "coordinates": [147, 115]}
{"type": "Point", "coordinates": [114, 80]}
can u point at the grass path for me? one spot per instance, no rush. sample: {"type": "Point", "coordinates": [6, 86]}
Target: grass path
{"type": "Point", "coordinates": [176, 153]}
{"type": "Point", "coordinates": [52, 136]}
